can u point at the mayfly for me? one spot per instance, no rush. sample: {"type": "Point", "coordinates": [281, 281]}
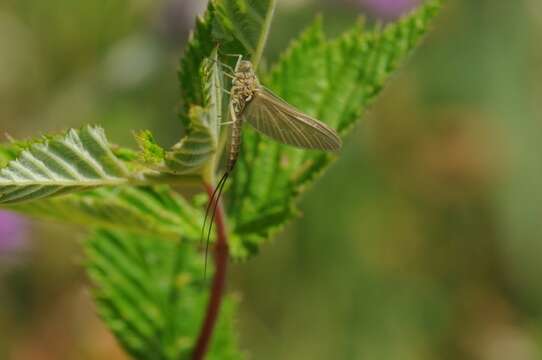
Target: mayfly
{"type": "Point", "coordinates": [270, 115]}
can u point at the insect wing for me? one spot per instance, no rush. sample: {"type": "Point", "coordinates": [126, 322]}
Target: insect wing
{"type": "Point", "coordinates": [274, 117]}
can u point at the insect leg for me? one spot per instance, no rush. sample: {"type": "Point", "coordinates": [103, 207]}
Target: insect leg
{"type": "Point", "coordinates": [228, 67]}
{"type": "Point", "coordinates": [238, 56]}
{"type": "Point", "coordinates": [232, 55]}
{"type": "Point", "coordinates": [221, 64]}
{"type": "Point", "coordinates": [228, 75]}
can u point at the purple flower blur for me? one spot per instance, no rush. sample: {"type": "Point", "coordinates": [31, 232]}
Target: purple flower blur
{"type": "Point", "coordinates": [12, 233]}
{"type": "Point", "coordinates": [389, 9]}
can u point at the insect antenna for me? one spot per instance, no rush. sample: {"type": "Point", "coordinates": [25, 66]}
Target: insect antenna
{"type": "Point", "coordinates": [213, 203]}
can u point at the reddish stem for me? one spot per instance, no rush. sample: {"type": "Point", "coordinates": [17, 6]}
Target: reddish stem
{"type": "Point", "coordinates": [219, 282]}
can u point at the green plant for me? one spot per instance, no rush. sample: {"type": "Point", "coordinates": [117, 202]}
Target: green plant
{"type": "Point", "coordinates": [143, 255]}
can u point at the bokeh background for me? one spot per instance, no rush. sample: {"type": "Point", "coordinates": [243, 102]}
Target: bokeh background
{"type": "Point", "coordinates": [422, 242]}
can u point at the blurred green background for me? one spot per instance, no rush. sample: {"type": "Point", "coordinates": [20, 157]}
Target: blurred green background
{"type": "Point", "coordinates": [422, 242]}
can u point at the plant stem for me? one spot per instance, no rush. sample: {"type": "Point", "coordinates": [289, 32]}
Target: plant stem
{"type": "Point", "coordinates": [265, 34]}
{"type": "Point", "coordinates": [219, 281]}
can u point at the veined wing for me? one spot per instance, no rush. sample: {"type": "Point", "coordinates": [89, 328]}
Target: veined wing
{"type": "Point", "coordinates": [274, 117]}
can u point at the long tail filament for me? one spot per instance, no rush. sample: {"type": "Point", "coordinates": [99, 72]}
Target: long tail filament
{"type": "Point", "coordinates": [214, 201]}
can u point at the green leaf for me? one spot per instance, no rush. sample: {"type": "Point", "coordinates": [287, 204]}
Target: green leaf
{"type": "Point", "coordinates": [237, 26]}
{"type": "Point", "coordinates": [151, 153]}
{"type": "Point", "coordinates": [11, 150]}
{"type": "Point", "coordinates": [154, 211]}
{"type": "Point", "coordinates": [7, 154]}
{"type": "Point", "coordinates": [333, 80]}
{"type": "Point", "coordinates": [152, 296]}
{"type": "Point", "coordinates": [196, 148]}
{"type": "Point", "coordinates": [201, 139]}
{"type": "Point", "coordinates": [84, 162]}
{"type": "Point", "coordinates": [247, 22]}
{"type": "Point", "coordinates": [80, 160]}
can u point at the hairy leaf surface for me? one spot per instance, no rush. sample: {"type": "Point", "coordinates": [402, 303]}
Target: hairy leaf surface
{"type": "Point", "coordinates": [80, 160]}
{"type": "Point", "coordinates": [151, 294]}
{"type": "Point", "coordinates": [201, 140]}
{"type": "Point", "coordinates": [332, 80]}
{"type": "Point", "coordinates": [146, 210]}
{"type": "Point", "coordinates": [154, 211]}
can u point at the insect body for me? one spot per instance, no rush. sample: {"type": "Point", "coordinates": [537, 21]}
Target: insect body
{"type": "Point", "coordinates": [244, 86]}
{"type": "Point", "coordinates": [270, 115]}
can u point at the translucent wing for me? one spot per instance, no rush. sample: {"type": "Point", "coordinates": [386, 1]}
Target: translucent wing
{"type": "Point", "coordinates": [274, 117]}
